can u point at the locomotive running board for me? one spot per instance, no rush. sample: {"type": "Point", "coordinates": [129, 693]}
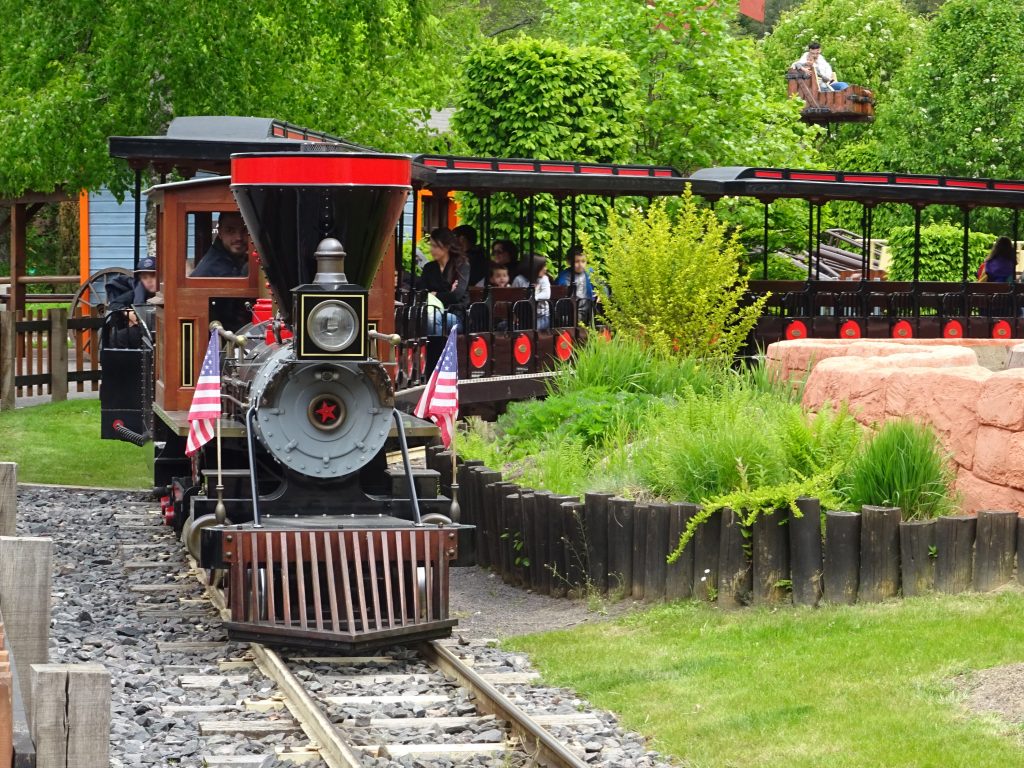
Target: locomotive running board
{"type": "Point", "coordinates": [343, 588]}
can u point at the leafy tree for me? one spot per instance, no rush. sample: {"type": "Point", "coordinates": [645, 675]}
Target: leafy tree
{"type": "Point", "coordinates": [941, 254]}
{"type": "Point", "coordinates": [97, 68]}
{"type": "Point", "coordinates": [545, 100]}
{"type": "Point", "coordinates": [955, 108]}
{"type": "Point", "coordinates": [703, 103]}
{"type": "Point", "coordinates": [677, 282]}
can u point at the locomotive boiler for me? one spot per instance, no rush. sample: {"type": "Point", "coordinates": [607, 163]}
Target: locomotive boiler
{"type": "Point", "coordinates": [322, 539]}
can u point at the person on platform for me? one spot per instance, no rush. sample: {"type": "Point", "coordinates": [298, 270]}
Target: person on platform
{"type": "Point", "coordinates": [813, 60]}
{"type": "Point", "coordinates": [228, 256]}
{"type": "Point", "coordinates": [477, 256]}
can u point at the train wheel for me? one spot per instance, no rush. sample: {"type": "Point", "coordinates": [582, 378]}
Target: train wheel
{"type": "Point", "coordinates": [850, 330]}
{"type": "Point", "coordinates": [796, 330]}
{"type": "Point", "coordinates": [953, 329]}
{"type": "Point", "coordinates": [902, 330]}
{"type": "Point", "coordinates": [1001, 330]}
{"type": "Point", "coordinates": [192, 533]}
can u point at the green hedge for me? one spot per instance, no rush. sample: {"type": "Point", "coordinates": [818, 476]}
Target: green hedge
{"type": "Point", "coordinates": [941, 252]}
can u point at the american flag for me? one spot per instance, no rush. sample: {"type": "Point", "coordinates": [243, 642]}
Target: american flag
{"type": "Point", "coordinates": [205, 409]}
{"type": "Point", "coordinates": [440, 400]}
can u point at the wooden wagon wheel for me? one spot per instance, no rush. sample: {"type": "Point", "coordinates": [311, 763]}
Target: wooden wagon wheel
{"type": "Point", "coordinates": [93, 292]}
{"type": "Point", "coordinates": [92, 295]}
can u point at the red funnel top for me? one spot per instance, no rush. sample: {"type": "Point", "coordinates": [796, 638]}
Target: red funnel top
{"type": "Point", "coordinates": [292, 201]}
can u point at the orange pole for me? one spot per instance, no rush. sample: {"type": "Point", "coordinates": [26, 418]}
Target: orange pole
{"type": "Point", "coordinates": [83, 235]}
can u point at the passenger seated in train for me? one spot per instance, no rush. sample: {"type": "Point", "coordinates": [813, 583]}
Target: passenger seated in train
{"type": "Point", "coordinates": [505, 252]}
{"type": "Point", "coordinates": [446, 280]}
{"type": "Point", "coordinates": [1001, 264]}
{"type": "Point", "coordinates": [582, 280]}
{"type": "Point", "coordinates": [126, 301]}
{"type": "Point", "coordinates": [499, 276]}
{"type": "Point", "coordinates": [465, 235]}
{"type": "Point", "coordinates": [813, 60]}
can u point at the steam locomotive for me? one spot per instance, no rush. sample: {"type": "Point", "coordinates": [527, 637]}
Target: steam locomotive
{"type": "Point", "coordinates": [322, 540]}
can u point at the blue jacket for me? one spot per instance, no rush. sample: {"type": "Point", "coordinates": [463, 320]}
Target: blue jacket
{"type": "Point", "coordinates": [565, 277]}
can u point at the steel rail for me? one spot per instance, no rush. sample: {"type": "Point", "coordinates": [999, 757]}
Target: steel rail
{"type": "Point", "coordinates": [334, 750]}
{"type": "Point", "coordinates": [538, 742]}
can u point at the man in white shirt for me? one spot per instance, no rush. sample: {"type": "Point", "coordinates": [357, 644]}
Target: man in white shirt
{"type": "Point", "coordinates": [826, 76]}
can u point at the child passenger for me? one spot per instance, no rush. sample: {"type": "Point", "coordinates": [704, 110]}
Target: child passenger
{"type": "Point", "coordinates": [499, 275]}
{"type": "Point", "coordinates": [535, 273]}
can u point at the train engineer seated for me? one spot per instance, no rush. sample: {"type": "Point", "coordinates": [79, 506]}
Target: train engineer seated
{"type": "Point", "coordinates": [228, 255]}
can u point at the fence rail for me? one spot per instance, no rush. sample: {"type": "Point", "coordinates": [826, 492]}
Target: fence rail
{"type": "Point", "coordinates": [558, 544]}
{"type": "Point", "coordinates": [46, 353]}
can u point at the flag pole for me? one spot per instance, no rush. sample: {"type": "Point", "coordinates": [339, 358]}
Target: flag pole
{"type": "Point", "coordinates": [455, 512]}
{"type": "Point", "coordinates": [219, 511]}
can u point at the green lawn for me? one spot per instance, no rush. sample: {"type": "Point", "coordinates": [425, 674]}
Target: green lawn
{"type": "Point", "coordinates": [840, 687]}
{"type": "Point", "coordinates": [60, 443]}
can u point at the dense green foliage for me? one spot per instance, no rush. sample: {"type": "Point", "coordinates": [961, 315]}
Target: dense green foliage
{"type": "Point", "coordinates": [545, 100]}
{"type": "Point", "coordinates": [676, 281]}
{"type": "Point", "coordinates": [69, 78]}
{"type": "Point", "coordinates": [699, 82]}
{"type": "Point", "coordinates": [955, 106]}
{"type": "Point", "coordinates": [802, 688]}
{"type": "Point", "coordinates": [941, 252]}
{"type": "Point", "coordinates": [903, 466]}
{"type": "Point", "coordinates": [679, 429]}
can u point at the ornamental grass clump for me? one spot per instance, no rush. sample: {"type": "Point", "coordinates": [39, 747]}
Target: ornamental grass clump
{"type": "Point", "coordinates": [904, 465]}
{"type": "Point", "coordinates": [677, 281]}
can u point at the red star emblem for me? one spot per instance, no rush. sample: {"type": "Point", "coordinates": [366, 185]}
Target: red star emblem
{"type": "Point", "coordinates": [326, 412]}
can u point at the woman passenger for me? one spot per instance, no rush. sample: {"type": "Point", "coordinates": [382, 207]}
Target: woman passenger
{"type": "Point", "coordinates": [446, 279]}
{"type": "Point", "coordinates": [1001, 264]}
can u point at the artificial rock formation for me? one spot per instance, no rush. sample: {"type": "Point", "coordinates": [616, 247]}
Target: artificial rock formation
{"type": "Point", "coordinates": [978, 413]}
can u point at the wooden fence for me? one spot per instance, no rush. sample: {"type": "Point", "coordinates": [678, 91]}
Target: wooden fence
{"type": "Point", "coordinates": [561, 544]}
{"type": "Point", "coordinates": [45, 353]}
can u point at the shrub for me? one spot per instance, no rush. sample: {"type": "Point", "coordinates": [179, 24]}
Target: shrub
{"type": "Point", "coordinates": [941, 252]}
{"type": "Point", "coordinates": [904, 466]}
{"type": "Point", "coordinates": [676, 282]}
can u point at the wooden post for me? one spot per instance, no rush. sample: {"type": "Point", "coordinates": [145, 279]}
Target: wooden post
{"type": "Point", "coordinates": [679, 575]}
{"type": "Point", "coordinates": [8, 357]}
{"type": "Point", "coordinates": [1020, 550]}
{"type": "Point", "coordinates": [508, 506]}
{"type": "Point", "coordinates": [879, 553]}
{"type": "Point", "coordinates": [917, 557]}
{"type": "Point", "coordinates": [25, 579]}
{"type": "Point", "coordinates": [575, 550]}
{"type": "Point", "coordinates": [519, 539]}
{"type": "Point", "coordinates": [995, 548]}
{"type": "Point", "coordinates": [540, 572]}
{"type": "Point", "coordinates": [641, 514]}
{"type": "Point", "coordinates": [486, 545]}
{"type": "Point", "coordinates": [658, 546]}
{"type": "Point", "coordinates": [58, 355]}
{"type": "Point", "coordinates": [596, 530]}
{"type": "Point", "coordinates": [620, 540]}
{"type": "Point", "coordinates": [735, 578]}
{"type": "Point", "coordinates": [71, 715]}
{"type": "Point", "coordinates": [8, 497]}
{"type": "Point", "coordinates": [954, 544]}
{"type": "Point", "coordinates": [842, 557]}
{"type": "Point", "coordinates": [707, 541]}
{"type": "Point", "coordinates": [470, 514]}
{"type": "Point", "coordinates": [805, 551]}
{"type": "Point", "coordinates": [557, 566]}
{"type": "Point", "coordinates": [770, 553]}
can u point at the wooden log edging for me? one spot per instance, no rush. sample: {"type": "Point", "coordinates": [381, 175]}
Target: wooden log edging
{"type": "Point", "coordinates": [564, 546]}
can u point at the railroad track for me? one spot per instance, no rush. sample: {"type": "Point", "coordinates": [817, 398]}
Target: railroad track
{"type": "Point", "coordinates": [436, 703]}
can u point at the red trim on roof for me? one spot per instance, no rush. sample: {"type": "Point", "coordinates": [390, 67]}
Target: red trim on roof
{"type": "Point", "coordinates": [359, 170]}
{"type": "Point", "coordinates": [796, 176]}
{"type": "Point", "coordinates": [866, 179]}
{"type": "Point", "coordinates": [1008, 186]}
{"type": "Point", "coordinates": [634, 172]}
{"type": "Point", "coordinates": [768, 174]}
{"type": "Point", "coordinates": [472, 165]}
{"type": "Point", "coordinates": [528, 167]}
{"type": "Point", "coordinates": [435, 163]}
{"type": "Point", "coordinates": [663, 174]}
{"type": "Point", "coordinates": [966, 184]}
{"type": "Point", "coordinates": [549, 168]}
{"type": "Point", "coordinates": [922, 181]}
{"type": "Point", "coordinates": [600, 171]}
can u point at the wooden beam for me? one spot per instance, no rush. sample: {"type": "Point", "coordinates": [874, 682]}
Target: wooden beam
{"type": "Point", "coordinates": [16, 302]}
{"type": "Point", "coordinates": [25, 579]}
{"type": "Point", "coordinates": [8, 497]}
{"type": "Point", "coordinates": [71, 716]}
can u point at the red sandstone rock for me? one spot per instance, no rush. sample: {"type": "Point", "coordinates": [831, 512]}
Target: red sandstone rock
{"type": "Point", "coordinates": [979, 494]}
{"type": "Point", "coordinates": [1001, 403]}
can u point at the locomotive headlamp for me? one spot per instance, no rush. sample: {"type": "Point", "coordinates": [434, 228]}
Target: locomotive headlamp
{"type": "Point", "coordinates": [333, 325]}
